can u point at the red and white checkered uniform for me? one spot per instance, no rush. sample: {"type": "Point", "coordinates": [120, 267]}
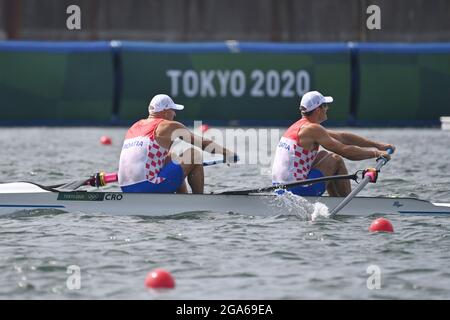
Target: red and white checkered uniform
{"type": "Point", "coordinates": [142, 157]}
{"type": "Point", "coordinates": [292, 162]}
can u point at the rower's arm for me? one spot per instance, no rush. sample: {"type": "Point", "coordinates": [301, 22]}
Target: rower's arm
{"type": "Point", "coordinates": [180, 131]}
{"type": "Point", "coordinates": [210, 146]}
{"type": "Point", "coordinates": [321, 136]}
{"type": "Point", "coordinates": [353, 139]}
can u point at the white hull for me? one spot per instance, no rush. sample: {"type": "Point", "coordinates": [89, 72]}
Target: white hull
{"type": "Point", "coordinates": [16, 197]}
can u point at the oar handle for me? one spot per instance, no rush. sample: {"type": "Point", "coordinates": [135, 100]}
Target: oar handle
{"type": "Point", "coordinates": [381, 161]}
{"type": "Point", "coordinates": [212, 162]}
{"type": "Point", "coordinates": [234, 159]}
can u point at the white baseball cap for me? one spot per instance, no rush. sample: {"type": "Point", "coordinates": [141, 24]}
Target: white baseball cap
{"type": "Point", "coordinates": [162, 102]}
{"type": "Point", "coordinates": [313, 99]}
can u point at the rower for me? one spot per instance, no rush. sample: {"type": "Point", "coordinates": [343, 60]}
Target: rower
{"type": "Point", "coordinates": [298, 158]}
{"type": "Point", "coordinates": [147, 163]}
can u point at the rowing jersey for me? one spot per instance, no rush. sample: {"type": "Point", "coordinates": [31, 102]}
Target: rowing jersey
{"type": "Point", "coordinates": [142, 157]}
{"type": "Point", "coordinates": [292, 162]}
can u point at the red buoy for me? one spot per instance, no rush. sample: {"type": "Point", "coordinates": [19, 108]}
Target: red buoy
{"type": "Point", "coordinates": [159, 279]}
{"type": "Point", "coordinates": [381, 225]}
{"type": "Point", "coordinates": [105, 140]}
{"type": "Point", "coordinates": [204, 128]}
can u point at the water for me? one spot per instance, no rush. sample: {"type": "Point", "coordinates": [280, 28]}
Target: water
{"type": "Point", "coordinates": [222, 256]}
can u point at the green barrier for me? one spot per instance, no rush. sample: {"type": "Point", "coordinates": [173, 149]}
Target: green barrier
{"type": "Point", "coordinates": [231, 83]}
{"type": "Point", "coordinates": [55, 85]}
{"type": "Point", "coordinates": [244, 87]}
{"type": "Point", "coordinates": [407, 87]}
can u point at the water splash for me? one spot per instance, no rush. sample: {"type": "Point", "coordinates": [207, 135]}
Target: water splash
{"type": "Point", "coordinates": [291, 204]}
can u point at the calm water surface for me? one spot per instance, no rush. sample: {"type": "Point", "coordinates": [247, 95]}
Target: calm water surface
{"type": "Point", "coordinates": [222, 256]}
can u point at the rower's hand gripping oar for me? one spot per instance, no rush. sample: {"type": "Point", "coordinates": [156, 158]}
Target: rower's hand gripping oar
{"type": "Point", "coordinates": [369, 175]}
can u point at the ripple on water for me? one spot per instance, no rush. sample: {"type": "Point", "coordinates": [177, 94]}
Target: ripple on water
{"type": "Point", "coordinates": [290, 255]}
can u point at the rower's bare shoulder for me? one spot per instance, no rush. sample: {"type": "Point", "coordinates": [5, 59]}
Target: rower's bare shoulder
{"type": "Point", "coordinates": [168, 125]}
{"type": "Point", "coordinates": [169, 129]}
{"type": "Point", "coordinates": [313, 129]}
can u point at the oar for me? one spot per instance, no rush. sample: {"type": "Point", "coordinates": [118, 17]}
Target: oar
{"type": "Point", "coordinates": [369, 176]}
{"type": "Point", "coordinates": [98, 179]}
{"type": "Point", "coordinates": [293, 184]}
{"type": "Point", "coordinates": [219, 161]}
{"type": "Point", "coordinates": [101, 179]}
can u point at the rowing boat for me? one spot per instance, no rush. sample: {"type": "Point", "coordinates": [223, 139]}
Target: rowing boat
{"type": "Point", "coordinates": [25, 196]}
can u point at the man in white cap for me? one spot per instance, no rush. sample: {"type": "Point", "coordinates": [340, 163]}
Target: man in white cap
{"type": "Point", "coordinates": [298, 158]}
{"type": "Point", "coordinates": [146, 163]}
